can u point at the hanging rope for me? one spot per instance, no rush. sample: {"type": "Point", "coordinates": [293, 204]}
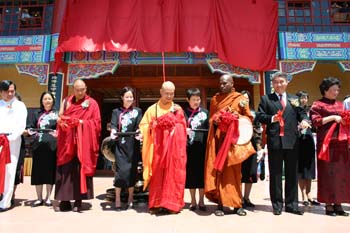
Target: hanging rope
{"type": "Point", "coordinates": [163, 62]}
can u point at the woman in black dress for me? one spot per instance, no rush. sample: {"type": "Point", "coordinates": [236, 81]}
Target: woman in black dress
{"type": "Point", "coordinates": [250, 166]}
{"type": "Point", "coordinates": [127, 152]}
{"type": "Point", "coordinates": [197, 131]}
{"type": "Point", "coordinates": [43, 128]}
{"type": "Point", "coordinates": [306, 159]}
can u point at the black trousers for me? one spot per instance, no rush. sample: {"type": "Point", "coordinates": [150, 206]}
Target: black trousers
{"type": "Point", "coordinates": [290, 159]}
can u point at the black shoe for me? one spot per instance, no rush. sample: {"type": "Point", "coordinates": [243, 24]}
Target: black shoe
{"type": "Point", "coordinates": [313, 202]}
{"type": "Point", "coordinates": [342, 213]}
{"type": "Point", "coordinates": [1, 196]}
{"type": "Point", "coordinates": [330, 211]}
{"type": "Point", "coordinates": [129, 206]}
{"type": "Point", "coordinates": [294, 211]}
{"type": "Point", "coordinates": [4, 209]}
{"type": "Point", "coordinates": [277, 212]}
{"type": "Point", "coordinates": [193, 207]}
{"type": "Point", "coordinates": [117, 208]}
{"type": "Point", "coordinates": [77, 206]}
{"type": "Point", "coordinates": [37, 203]}
{"type": "Point", "coordinates": [247, 203]}
{"type": "Point", "coordinates": [202, 208]}
{"type": "Point", "coordinates": [63, 206]}
{"type": "Point", "coordinates": [306, 203]}
{"type": "Point", "coordinates": [76, 209]}
{"type": "Point", "coordinates": [338, 210]}
{"type": "Point", "coordinates": [239, 211]}
{"type": "Point", "coordinates": [48, 204]}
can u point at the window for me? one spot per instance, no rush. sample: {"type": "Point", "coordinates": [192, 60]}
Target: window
{"type": "Point", "coordinates": [30, 17]}
{"type": "Point", "coordinates": [340, 12]}
{"type": "Point", "coordinates": [299, 12]}
{"type": "Point", "coordinates": [313, 16]}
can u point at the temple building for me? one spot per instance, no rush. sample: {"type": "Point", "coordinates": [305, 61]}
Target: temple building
{"type": "Point", "coordinates": [47, 44]}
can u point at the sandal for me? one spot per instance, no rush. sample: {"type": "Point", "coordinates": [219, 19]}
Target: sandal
{"type": "Point", "coordinates": [219, 213]}
{"type": "Point", "coordinates": [202, 208]}
{"type": "Point", "coordinates": [240, 211]}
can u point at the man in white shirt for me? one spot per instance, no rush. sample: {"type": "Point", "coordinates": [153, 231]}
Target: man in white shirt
{"type": "Point", "coordinates": [13, 115]}
{"type": "Point", "coordinates": [346, 103]}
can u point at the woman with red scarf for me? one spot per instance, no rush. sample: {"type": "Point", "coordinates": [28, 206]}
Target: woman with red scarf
{"type": "Point", "coordinates": [333, 161]}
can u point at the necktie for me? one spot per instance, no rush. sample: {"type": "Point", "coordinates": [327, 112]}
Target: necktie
{"type": "Point", "coordinates": [281, 101]}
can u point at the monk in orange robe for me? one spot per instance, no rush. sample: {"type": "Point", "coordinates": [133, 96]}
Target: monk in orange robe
{"type": "Point", "coordinates": [223, 155]}
{"type": "Point", "coordinates": [163, 129]}
{"type": "Point", "coordinates": [78, 132]}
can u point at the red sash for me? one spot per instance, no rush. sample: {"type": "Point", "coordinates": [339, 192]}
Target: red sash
{"type": "Point", "coordinates": [342, 136]}
{"type": "Point", "coordinates": [5, 158]}
{"type": "Point", "coordinates": [228, 123]}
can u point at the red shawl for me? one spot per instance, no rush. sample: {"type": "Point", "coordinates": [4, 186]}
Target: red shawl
{"type": "Point", "coordinates": [5, 158]}
{"type": "Point", "coordinates": [79, 139]}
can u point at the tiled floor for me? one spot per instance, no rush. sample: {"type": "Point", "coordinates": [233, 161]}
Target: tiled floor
{"type": "Point", "coordinates": [99, 219]}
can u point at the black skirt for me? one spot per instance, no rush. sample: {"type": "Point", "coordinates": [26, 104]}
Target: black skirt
{"type": "Point", "coordinates": [195, 166]}
{"type": "Point", "coordinates": [306, 159]}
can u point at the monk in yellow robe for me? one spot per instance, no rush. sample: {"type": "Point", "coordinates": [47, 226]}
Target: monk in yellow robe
{"type": "Point", "coordinates": [223, 167]}
{"type": "Point", "coordinates": [163, 128]}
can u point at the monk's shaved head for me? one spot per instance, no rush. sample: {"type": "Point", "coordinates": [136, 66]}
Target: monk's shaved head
{"type": "Point", "coordinates": [167, 92]}
{"type": "Point", "coordinates": [79, 89]}
{"type": "Point", "coordinates": [226, 83]}
{"type": "Point", "coordinates": [168, 85]}
{"type": "Point", "coordinates": [79, 83]}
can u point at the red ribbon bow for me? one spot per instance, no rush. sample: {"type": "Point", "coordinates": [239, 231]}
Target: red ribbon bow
{"type": "Point", "coordinates": [280, 119]}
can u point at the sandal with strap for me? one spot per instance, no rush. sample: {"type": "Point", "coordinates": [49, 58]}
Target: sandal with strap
{"type": "Point", "coordinates": [240, 211]}
{"type": "Point", "coordinates": [219, 213]}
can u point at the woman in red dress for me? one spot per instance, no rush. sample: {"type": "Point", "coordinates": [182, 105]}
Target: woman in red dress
{"type": "Point", "coordinates": [333, 161]}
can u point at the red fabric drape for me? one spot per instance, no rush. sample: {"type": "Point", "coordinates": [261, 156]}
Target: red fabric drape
{"type": "Point", "coordinates": [243, 33]}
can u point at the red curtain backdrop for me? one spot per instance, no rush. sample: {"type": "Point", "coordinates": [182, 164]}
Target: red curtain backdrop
{"type": "Point", "coordinates": [242, 32]}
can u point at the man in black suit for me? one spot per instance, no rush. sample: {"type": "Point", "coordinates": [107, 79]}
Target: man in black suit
{"type": "Point", "coordinates": [282, 114]}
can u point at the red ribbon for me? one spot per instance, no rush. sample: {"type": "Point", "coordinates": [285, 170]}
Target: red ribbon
{"type": "Point", "coordinates": [280, 119]}
{"type": "Point", "coordinates": [5, 158]}
{"type": "Point", "coordinates": [324, 152]}
{"type": "Point", "coordinates": [344, 127]}
{"type": "Point", "coordinates": [231, 137]}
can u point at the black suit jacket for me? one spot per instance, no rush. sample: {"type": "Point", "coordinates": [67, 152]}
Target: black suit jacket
{"type": "Point", "coordinates": [269, 105]}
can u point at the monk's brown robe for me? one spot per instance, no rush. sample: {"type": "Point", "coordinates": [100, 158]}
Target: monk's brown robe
{"type": "Point", "coordinates": [225, 187]}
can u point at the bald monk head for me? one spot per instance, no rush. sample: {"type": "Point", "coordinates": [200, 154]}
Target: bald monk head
{"type": "Point", "coordinates": [79, 89]}
{"type": "Point", "coordinates": [226, 84]}
{"type": "Point", "coordinates": [167, 92]}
